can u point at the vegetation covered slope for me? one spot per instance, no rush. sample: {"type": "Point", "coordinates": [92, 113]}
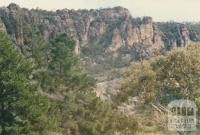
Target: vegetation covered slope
{"type": "Point", "coordinates": [45, 91]}
{"type": "Point", "coordinates": [27, 85]}
{"type": "Point", "coordinates": [159, 81]}
{"type": "Point", "coordinates": [104, 38]}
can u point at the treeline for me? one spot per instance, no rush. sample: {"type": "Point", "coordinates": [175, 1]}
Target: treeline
{"type": "Point", "coordinates": [159, 81]}
{"type": "Point", "coordinates": [46, 92]}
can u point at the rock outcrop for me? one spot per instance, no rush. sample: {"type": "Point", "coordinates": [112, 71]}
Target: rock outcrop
{"type": "Point", "coordinates": [110, 28]}
{"type": "Point", "coordinates": [175, 34]}
{"type": "Point", "coordinates": [2, 26]}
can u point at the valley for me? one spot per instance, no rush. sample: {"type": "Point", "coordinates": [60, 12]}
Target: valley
{"type": "Point", "coordinates": [94, 72]}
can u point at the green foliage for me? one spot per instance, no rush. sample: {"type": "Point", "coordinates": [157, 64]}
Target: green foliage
{"type": "Point", "coordinates": [84, 114]}
{"type": "Point", "coordinates": [179, 74]}
{"type": "Point", "coordinates": [63, 67]}
{"type": "Point", "coordinates": [26, 110]}
{"type": "Point", "coordinates": [167, 78]}
{"type": "Point", "coordinates": [159, 81]}
{"type": "Point", "coordinates": [62, 55]}
{"type": "Point", "coordinates": [22, 111]}
{"type": "Point", "coordinates": [138, 82]}
{"type": "Point", "coordinates": [81, 112]}
{"type": "Point", "coordinates": [39, 50]}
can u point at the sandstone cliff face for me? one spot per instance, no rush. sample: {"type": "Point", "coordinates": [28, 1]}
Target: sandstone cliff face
{"type": "Point", "coordinates": [175, 34]}
{"type": "Point", "coordinates": [111, 28]}
{"type": "Point", "coordinates": [2, 26]}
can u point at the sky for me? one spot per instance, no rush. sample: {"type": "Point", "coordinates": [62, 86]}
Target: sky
{"type": "Point", "coordinates": [160, 10]}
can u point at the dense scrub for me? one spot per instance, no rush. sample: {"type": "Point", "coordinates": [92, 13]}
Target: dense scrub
{"type": "Point", "coordinates": [161, 80]}
{"type": "Point", "coordinates": [48, 93]}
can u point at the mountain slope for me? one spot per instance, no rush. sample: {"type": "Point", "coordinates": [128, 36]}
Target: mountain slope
{"type": "Point", "coordinates": [104, 38]}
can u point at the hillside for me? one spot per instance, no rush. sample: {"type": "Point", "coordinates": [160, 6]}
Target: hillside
{"type": "Point", "coordinates": [105, 38]}
{"type": "Point", "coordinates": [95, 72]}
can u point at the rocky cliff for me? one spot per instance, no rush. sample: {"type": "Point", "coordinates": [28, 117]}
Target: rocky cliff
{"type": "Point", "coordinates": [103, 31]}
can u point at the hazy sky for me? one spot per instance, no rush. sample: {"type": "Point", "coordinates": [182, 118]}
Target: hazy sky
{"type": "Point", "coordinates": [160, 10]}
